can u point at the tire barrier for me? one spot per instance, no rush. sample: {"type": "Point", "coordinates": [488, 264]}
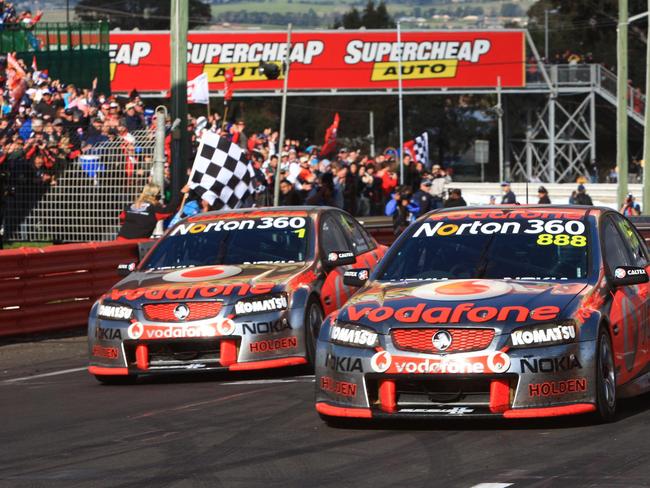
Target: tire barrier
{"type": "Point", "coordinates": [53, 288]}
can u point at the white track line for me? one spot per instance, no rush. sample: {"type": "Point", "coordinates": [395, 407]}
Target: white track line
{"type": "Point", "coordinates": [44, 375]}
{"type": "Point", "coordinates": [492, 485]}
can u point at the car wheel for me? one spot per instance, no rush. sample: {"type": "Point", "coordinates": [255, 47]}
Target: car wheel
{"type": "Point", "coordinates": [106, 379]}
{"type": "Point", "coordinates": [313, 322]}
{"type": "Point", "coordinates": [605, 378]}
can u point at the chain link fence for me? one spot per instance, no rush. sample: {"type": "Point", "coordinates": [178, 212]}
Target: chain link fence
{"type": "Point", "coordinates": [82, 200]}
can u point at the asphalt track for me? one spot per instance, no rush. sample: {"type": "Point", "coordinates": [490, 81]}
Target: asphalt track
{"type": "Point", "coordinates": [59, 427]}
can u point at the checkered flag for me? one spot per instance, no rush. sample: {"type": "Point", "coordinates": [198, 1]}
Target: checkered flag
{"type": "Point", "coordinates": [418, 148]}
{"type": "Point", "coordinates": [221, 174]}
{"type": "Point", "coordinates": [421, 149]}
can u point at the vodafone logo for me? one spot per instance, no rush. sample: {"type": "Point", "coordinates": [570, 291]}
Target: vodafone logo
{"type": "Point", "coordinates": [226, 327]}
{"type": "Point", "coordinates": [498, 362]}
{"type": "Point", "coordinates": [381, 361]}
{"type": "Point", "coordinates": [203, 273]}
{"type": "Point", "coordinates": [135, 330]}
{"type": "Point", "coordinates": [455, 290]}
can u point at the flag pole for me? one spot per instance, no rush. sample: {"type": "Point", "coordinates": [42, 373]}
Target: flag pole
{"type": "Point", "coordinates": [287, 61]}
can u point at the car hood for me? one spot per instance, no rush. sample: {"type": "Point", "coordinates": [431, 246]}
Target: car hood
{"type": "Point", "coordinates": [473, 302]}
{"type": "Point", "coordinates": [223, 282]}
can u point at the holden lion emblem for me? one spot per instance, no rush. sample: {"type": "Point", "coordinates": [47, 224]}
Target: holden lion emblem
{"type": "Point", "coordinates": [441, 340]}
{"type": "Point", "coordinates": [181, 312]}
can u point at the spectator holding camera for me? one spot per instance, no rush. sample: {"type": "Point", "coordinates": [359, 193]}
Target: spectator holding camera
{"type": "Point", "coordinates": [402, 209]}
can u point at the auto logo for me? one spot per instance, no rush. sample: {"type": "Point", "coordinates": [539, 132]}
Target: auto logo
{"type": "Point", "coordinates": [498, 362]}
{"type": "Point", "coordinates": [619, 273]}
{"type": "Point", "coordinates": [441, 340]}
{"type": "Point", "coordinates": [135, 330]}
{"type": "Point", "coordinates": [226, 327]}
{"type": "Point", "coordinates": [181, 312]}
{"type": "Point", "coordinates": [381, 361]}
{"type": "Point", "coordinates": [455, 290]}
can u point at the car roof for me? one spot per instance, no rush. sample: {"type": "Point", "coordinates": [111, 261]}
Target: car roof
{"type": "Point", "coordinates": [585, 209]}
{"type": "Point", "coordinates": [312, 210]}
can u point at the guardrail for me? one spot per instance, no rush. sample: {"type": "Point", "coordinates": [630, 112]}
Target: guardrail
{"type": "Point", "coordinates": [53, 288]}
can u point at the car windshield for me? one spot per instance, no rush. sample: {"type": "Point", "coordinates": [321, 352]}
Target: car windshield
{"type": "Point", "coordinates": [515, 248]}
{"type": "Point", "coordinates": [232, 241]}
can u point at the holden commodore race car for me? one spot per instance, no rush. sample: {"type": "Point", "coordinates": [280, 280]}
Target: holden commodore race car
{"type": "Point", "coordinates": [229, 290]}
{"type": "Point", "coordinates": [504, 311]}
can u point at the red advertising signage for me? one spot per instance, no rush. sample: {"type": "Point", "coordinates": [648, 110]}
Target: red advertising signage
{"type": "Point", "coordinates": [325, 60]}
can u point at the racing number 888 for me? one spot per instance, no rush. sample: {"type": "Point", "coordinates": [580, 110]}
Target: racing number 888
{"type": "Point", "coordinates": [561, 240]}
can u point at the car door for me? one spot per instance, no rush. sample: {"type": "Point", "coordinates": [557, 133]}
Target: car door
{"type": "Point", "coordinates": [332, 238]}
{"type": "Point", "coordinates": [638, 251]}
{"type": "Point", "coordinates": [365, 248]}
{"type": "Point", "coordinates": [627, 315]}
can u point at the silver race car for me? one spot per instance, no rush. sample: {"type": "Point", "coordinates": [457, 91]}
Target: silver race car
{"type": "Point", "coordinates": [230, 290]}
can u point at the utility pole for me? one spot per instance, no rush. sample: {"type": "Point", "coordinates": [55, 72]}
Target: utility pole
{"type": "Point", "coordinates": [503, 174]}
{"type": "Point", "coordinates": [283, 116]}
{"type": "Point", "coordinates": [646, 135]}
{"type": "Point", "coordinates": [180, 141]}
{"type": "Point", "coordinates": [622, 103]}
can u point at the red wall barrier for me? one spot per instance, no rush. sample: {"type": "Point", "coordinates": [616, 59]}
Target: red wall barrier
{"type": "Point", "coordinates": [53, 288]}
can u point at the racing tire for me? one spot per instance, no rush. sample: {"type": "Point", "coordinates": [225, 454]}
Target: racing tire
{"type": "Point", "coordinates": [605, 378]}
{"type": "Point", "coordinates": [313, 320]}
{"type": "Point", "coordinates": [106, 379]}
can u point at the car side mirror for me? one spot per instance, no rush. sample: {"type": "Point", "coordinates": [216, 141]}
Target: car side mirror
{"type": "Point", "coordinates": [629, 275]}
{"type": "Point", "coordinates": [356, 277]}
{"type": "Point", "coordinates": [125, 269]}
{"type": "Point", "coordinates": [339, 258]}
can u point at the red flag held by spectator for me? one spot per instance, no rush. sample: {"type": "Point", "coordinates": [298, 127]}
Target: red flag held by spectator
{"type": "Point", "coordinates": [330, 137]}
{"type": "Point", "coordinates": [227, 84]}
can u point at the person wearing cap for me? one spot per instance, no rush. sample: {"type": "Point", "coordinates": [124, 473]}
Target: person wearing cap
{"type": "Point", "coordinates": [542, 193]}
{"type": "Point", "coordinates": [582, 198]}
{"type": "Point", "coordinates": [630, 208]}
{"type": "Point", "coordinates": [132, 120]}
{"type": "Point", "coordinates": [423, 198]}
{"type": "Point", "coordinates": [508, 197]}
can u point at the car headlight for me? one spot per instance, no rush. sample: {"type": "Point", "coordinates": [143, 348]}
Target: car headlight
{"type": "Point", "coordinates": [353, 335]}
{"type": "Point", "coordinates": [113, 311]}
{"type": "Point", "coordinates": [543, 335]}
{"type": "Point", "coordinates": [266, 303]}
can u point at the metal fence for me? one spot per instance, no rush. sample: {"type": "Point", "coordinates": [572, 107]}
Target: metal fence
{"type": "Point", "coordinates": [84, 201]}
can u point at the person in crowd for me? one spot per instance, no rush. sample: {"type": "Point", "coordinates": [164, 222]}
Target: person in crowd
{"type": "Point", "coordinates": [440, 179]}
{"type": "Point", "coordinates": [542, 193]}
{"type": "Point", "coordinates": [423, 197]}
{"type": "Point", "coordinates": [401, 208]}
{"type": "Point", "coordinates": [455, 199]}
{"type": "Point", "coordinates": [139, 219]}
{"type": "Point", "coordinates": [288, 194]}
{"type": "Point", "coordinates": [582, 197]}
{"type": "Point", "coordinates": [508, 197]}
{"type": "Point", "coordinates": [630, 208]}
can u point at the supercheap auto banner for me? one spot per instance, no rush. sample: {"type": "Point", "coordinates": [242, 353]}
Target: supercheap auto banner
{"type": "Point", "coordinates": [325, 60]}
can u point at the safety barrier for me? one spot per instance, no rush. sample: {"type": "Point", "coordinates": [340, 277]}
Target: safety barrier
{"type": "Point", "coordinates": [53, 288]}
